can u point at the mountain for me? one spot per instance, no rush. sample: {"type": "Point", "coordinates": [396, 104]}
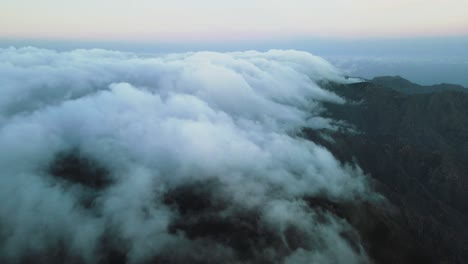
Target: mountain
{"type": "Point", "coordinates": [402, 85]}
{"type": "Point", "coordinates": [413, 142]}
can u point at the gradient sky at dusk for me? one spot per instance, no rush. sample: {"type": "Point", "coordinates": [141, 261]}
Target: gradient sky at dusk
{"type": "Point", "coordinates": [217, 20]}
{"type": "Point", "coordinates": [423, 40]}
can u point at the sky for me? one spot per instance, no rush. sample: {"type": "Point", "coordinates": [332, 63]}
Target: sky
{"type": "Point", "coordinates": [398, 37]}
{"type": "Point", "coordinates": [217, 20]}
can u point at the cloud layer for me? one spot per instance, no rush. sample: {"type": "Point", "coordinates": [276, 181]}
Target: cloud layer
{"type": "Point", "coordinates": [174, 158]}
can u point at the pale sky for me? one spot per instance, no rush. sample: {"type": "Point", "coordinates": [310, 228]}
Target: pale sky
{"type": "Point", "coordinates": [218, 20]}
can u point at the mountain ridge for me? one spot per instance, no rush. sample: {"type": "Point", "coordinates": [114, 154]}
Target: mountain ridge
{"type": "Point", "coordinates": [414, 146]}
{"type": "Point", "coordinates": [403, 85]}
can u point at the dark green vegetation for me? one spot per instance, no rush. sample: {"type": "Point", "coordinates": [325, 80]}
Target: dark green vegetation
{"type": "Point", "coordinates": [414, 145]}
{"type": "Point", "coordinates": [74, 168]}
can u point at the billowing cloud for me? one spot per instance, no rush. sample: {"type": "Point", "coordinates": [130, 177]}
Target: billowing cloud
{"type": "Point", "coordinates": [182, 157]}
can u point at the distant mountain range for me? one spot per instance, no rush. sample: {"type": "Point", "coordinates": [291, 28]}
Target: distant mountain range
{"type": "Point", "coordinates": [413, 142]}
{"type": "Point", "coordinates": [402, 85]}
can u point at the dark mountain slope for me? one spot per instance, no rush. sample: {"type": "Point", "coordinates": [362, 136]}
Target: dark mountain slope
{"type": "Point", "coordinates": [415, 147]}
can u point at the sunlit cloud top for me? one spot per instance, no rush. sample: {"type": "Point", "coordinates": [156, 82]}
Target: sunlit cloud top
{"type": "Point", "coordinates": [230, 20]}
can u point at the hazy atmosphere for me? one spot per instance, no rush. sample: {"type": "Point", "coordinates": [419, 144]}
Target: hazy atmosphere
{"type": "Point", "coordinates": [208, 131]}
{"type": "Point", "coordinates": [424, 41]}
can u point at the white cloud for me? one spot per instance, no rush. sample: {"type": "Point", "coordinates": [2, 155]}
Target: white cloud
{"type": "Point", "coordinates": [156, 124]}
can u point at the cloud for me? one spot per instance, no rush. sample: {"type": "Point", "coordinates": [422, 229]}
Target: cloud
{"type": "Point", "coordinates": [108, 154]}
